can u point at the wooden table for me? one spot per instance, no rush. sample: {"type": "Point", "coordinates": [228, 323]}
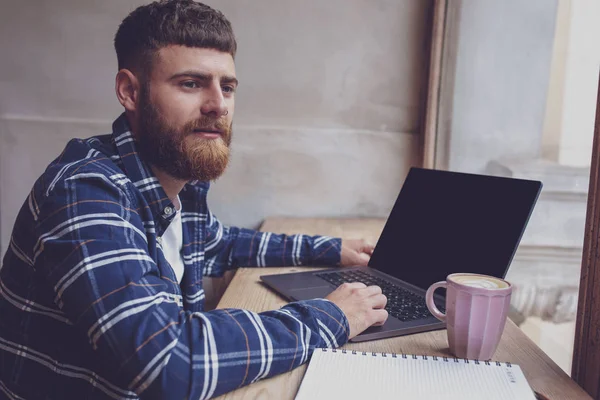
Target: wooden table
{"type": "Point", "coordinates": [246, 291]}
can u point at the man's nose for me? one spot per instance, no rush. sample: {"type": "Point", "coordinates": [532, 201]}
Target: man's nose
{"type": "Point", "coordinates": [214, 104]}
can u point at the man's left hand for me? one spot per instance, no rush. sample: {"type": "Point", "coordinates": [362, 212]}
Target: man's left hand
{"type": "Point", "coordinates": [355, 253]}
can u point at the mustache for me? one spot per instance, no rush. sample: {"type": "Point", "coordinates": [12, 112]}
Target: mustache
{"type": "Point", "coordinates": [207, 123]}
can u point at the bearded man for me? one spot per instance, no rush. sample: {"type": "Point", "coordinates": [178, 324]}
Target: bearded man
{"type": "Point", "coordinates": [101, 288]}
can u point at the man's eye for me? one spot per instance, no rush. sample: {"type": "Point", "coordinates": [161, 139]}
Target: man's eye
{"type": "Point", "coordinates": [228, 89]}
{"type": "Point", "coordinates": [190, 84]}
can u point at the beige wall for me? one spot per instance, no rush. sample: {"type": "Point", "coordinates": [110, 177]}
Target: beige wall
{"type": "Point", "coordinates": [556, 87]}
{"type": "Point", "coordinates": [500, 82]}
{"type": "Point", "coordinates": [327, 113]}
{"type": "Point", "coordinates": [578, 81]}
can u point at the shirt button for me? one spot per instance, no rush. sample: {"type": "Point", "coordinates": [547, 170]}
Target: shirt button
{"type": "Point", "coordinates": [159, 240]}
{"type": "Point", "coordinates": [168, 210]}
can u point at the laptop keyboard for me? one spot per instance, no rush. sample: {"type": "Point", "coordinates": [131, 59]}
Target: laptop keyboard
{"type": "Point", "coordinates": [401, 303]}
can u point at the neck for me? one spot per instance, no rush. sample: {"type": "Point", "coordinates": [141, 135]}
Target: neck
{"type": "Point", "coordinates": [171, 186]}
{"type": "Point", "coordinates": [132, 121]}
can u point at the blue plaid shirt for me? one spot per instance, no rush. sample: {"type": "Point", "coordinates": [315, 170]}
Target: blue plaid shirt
{"type": "Point", "coordinates": [91, 309]}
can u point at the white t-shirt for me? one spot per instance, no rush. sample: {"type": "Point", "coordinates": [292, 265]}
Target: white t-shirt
{"type": "Point", "coordinates": [172, 242]}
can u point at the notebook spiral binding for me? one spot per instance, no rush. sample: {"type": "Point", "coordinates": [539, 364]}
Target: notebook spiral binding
{"type": "Point", "coordinates": [417, 357]}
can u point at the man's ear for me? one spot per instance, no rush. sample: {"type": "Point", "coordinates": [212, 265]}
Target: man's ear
{"type": "Point", "coordinates": [127, 87]}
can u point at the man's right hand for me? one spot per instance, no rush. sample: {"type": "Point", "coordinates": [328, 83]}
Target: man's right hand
{"type": "Point", "coordinates": [362, 305]}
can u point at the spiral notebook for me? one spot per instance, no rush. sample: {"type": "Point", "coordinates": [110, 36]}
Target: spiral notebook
{"type": "Point", "coordinates": [342, 374]}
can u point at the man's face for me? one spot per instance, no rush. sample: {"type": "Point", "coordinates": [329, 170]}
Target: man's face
{"type": "Point", "coordinates": [185, 112]}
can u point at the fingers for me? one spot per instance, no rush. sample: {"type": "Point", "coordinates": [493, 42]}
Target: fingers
{"type": "Point", "coordinates": [365, 247]}
{"type": "Point", "coordinates": [363, 259]}
{"type": "Point", "coordinates": [368, 248]}
{"type": "Point", "coordinates": [375, 297]}
{"type": "Point", "coordinates": [372, 291]}
{"type": "Point", "coordinates": [352, 285]}
{"type": "Point", "coordinates": [379, 317]}
{"type": "Point", "coordinates": [378, 301]}
{"type": "Point", "coordinates": [362, 246]}
{"type": "Point", "coordinates": [365, 252]}
{"type": "Point", "coordinates": [355, 252]}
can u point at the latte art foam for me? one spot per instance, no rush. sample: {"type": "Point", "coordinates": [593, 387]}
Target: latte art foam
{"type": "Point", "coordinates": [483, 282]}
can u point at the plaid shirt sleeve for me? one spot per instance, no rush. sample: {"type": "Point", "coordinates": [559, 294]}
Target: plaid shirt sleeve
{"type": "Point", "coordinates": [94, 253]}
{"type": "Point", "coordinates": [230, 247]}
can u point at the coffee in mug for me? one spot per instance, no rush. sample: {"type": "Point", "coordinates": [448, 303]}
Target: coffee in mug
{"type": "Point", "coordinates": [476, 311]}
{"type": "Point", "coordinates": [480, 281]}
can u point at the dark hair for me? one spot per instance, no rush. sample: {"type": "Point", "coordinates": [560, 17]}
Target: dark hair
{"type": "Point", "coordinates": [170, 22]}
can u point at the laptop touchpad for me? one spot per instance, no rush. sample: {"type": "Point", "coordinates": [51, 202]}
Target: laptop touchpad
{"type": "Point", "coordinates": [310, 292]}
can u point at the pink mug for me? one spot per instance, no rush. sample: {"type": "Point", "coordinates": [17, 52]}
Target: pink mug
{"type": "Point", "coordinates": [476, 310]}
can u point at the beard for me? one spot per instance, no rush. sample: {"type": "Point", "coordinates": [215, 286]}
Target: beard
{"type": "Point", "coordinates": [181, 152]}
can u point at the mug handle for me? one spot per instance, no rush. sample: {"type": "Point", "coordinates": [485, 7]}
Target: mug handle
{"type": "Point", "coordinates": [429, 300]}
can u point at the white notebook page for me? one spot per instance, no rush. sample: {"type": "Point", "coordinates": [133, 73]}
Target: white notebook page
{"type": "Point", "coordinates": [337, 375]}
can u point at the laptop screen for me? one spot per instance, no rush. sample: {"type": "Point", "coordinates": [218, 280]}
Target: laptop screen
{"type": "Point", "coordinates": [446, 222]}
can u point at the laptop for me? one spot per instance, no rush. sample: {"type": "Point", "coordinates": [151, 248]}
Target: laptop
{"type": "Point", "coordinates": [442, 222]}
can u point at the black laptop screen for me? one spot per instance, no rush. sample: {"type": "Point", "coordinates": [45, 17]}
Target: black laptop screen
{"type": "Point", "coordinates": [446, 222]}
